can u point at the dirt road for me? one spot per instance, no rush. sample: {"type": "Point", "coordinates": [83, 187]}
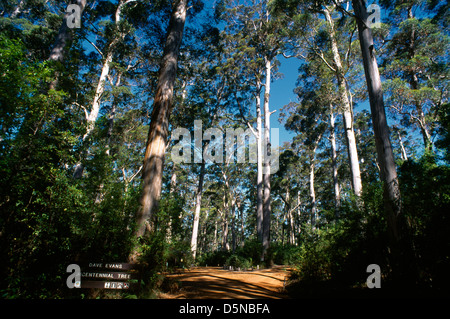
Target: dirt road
{"type": "Point", "coordinates": [217, 283]}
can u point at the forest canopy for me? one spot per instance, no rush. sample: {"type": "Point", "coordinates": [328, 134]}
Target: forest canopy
{"type": "Point", "coordinates": [114, 140]}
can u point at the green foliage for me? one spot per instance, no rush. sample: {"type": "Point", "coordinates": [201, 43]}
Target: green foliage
{"type": "Point", "coordinates": [444, 141]}
{"type": "Point", "coordinates": [237, 261]}
{"type": "Point", "coordinates": [158, 255]}
{"type": "Point", "coordinates": [249, 255]}
{"type": "Point", "coordinates": [179, 255]}
{"type": "Point", "coordinates": [213, 258]}
{"type": "Point", "coordinates": [251, 250]}
{"type": "Point", "coordinates": [49, 219]}
{"type": "Point", "coordinates": [284, 254]}
{"type": "Point", "coordinates": [425, 186]}
{"type": "Point", "coordinates": [340, 253]}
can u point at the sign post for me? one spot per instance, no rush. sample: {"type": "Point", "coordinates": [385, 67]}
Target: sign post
{"type": "Point", "coordinates": [118, 276]}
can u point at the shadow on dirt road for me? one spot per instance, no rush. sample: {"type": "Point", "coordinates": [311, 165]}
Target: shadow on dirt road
{"type": "Point", "coordinates": [216, 283]}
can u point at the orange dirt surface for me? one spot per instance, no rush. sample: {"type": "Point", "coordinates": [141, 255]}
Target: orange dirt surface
{"type": "Point", "coordinates": [217, 283]}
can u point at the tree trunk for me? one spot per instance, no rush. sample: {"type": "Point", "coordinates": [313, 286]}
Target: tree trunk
{"type": "Point", "coordinates": [57, 54]}
{"type": "Point", "coordinates": [420, 119]}
{"type": "Point", "coordinates": [158, 131]}
{"type": "Point", "coordinates": [391, 195]}
{"type": "Point", "coordinates": [214, 246]}
{"type": "Point", "coordinates": [299, 212]}
{"type": "Point", "coordinates": [92, 116]}
{"type": "Point", "coordinates": [233, 229]}
{"type": "Point", "coordinates": [267, 211]}
{"type": "Point", "coordinates": [64, 37]}
{"type": "Point", "coordinates": [414, 84]}
{"type": "Point", "coordinates": [289, 215]}
{"type": "Point", "coordinates": [402, 147]}
{"type": "Point", "coordinates": [198, 205]}
{"type": "Point", "coordinates": [259, 174]}
{"type": "Point", "coordinates": [287, 208]}
{"type": "Point", "coordinates": [18, 9]}
{"type": "Point", "coordinates": [173, 184]}
{"type": "Point", "coordinates": [111, 116]}
{"type": "Point", "coordinates": [225, 244]}
{"type": "Point", "coordinates": [241, 217]}
{"type": "Point", "coordinates": [427, 142]}
{"type": "Point", "coordinates": [347, 111]}
{"type": "Point", "coordinates": [312, 192]}
{"type": "Point", "coordinates": [337, 193]}
{"type": "Point", "coordinates": [228, 194]}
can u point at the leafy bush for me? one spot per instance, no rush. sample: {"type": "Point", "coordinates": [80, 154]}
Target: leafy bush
{"type": "Point", "coordinates": [179, 255]}
{"type": "Point", "coordinates": [237, 261]}
{"type": "Point", "coordinates": [284, 254]}
{"type": "Point", "coordinates": [426, 203]}
{"type": "Point", "coordinates": [340, 253]}
{"type": "Point", "coordinates": [251, 250]}
{"type": "Point", "coordinates": [214, 258]}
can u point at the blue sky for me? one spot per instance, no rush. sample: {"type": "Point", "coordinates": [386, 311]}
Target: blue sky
{"type": "Point", "coordinates": [281, 94]}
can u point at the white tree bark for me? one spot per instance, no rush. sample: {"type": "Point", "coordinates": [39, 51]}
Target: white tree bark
{"type": "Point", "coordinates": [198, 205]}
{"type": "Point", "coordinates": [347, 110]}
{"type": "Point", "coordinates": [92, 115]}
{"type": "Point", "coordinates": [267, 211]}
{"type": "Point", "coordinates": [312, 192]}
{"type": "Point", "coordinates": [95, 108]}
{"type": "Point", "coordinates": [337, 193]}
{"type": "Point", "coordinates": [18, 9]}
{"type": "Point", "coordinates": [404, 155]}
{"type": "Point", "coordinates": [259, 173]}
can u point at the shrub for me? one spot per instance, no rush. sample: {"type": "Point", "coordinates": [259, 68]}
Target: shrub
{"type": "Point", "coordinates": [215, 258]}
{"type": "Point", "coordinates": [237, 261]}
{"type": "Point", "coordinates": [284, 254]}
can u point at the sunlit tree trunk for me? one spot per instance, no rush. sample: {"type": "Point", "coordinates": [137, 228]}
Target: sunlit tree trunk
{"type": "Point", "coordinates": [388, 173]}
{"type": "Point", "coordinates": [267, 211]}
{"type": "Point", "coordinates": [312, 192]}
{"type": "Point", "coordinates": [159, 124]}
{"type": "Point", "coordinates": [259, 172]}
{"type": "Point", "coordinates": [198, 205]}
{"type": "Point", "coordinates": [173, 184]}
{"type": "Point", "coordinates": [225, 228]}
{"type": "Point", "coordinates": [337, 193]}
{"type": "Point", "coordinates": [414, 83]}
{"type": "Point", "coordinates": [402, 147]}
{"type": "Point", "coordinates": [92, 115]}
{"type": "Point", "coordinates": [18, 9]}
{"type": "Point", "coordinates": [347, 110]}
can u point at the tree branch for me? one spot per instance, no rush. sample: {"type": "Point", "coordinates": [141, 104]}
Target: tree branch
{"type": "Point", "coordinates": [86, 113]}
{"type": "Point", "coordinates": [324, 60]}
{"type": "Point", "coordinates": [135, 174]}
{"type": "Point", "coordinates": [293, 56]}
{"type": "Point", "coordinates": [341, 9]}
{"type": "Point", "coordinates": [96, 48]}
